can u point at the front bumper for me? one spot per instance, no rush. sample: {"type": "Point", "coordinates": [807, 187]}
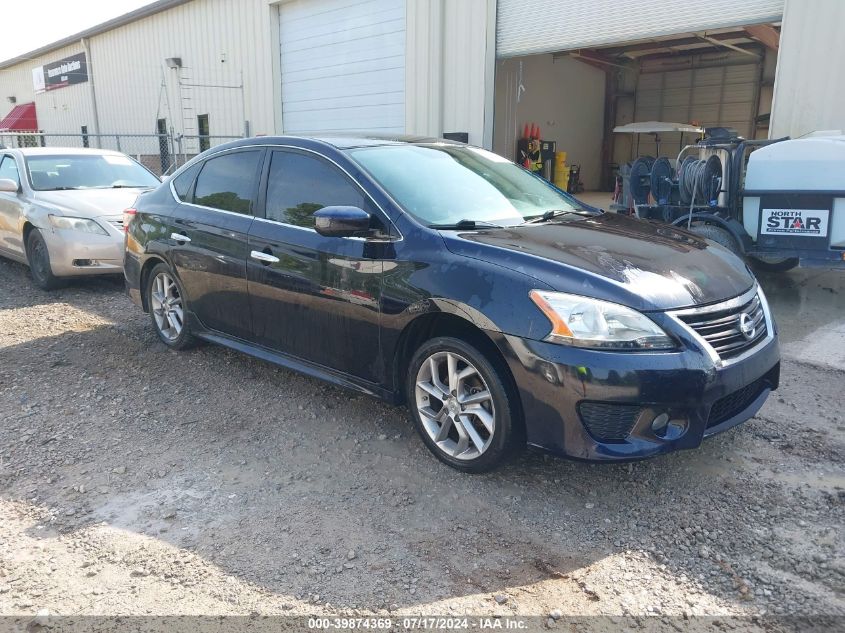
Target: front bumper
{"type": "Point", "coordinates": [76, 253]}
{"type": "Point", "coordinates": [563, 389]}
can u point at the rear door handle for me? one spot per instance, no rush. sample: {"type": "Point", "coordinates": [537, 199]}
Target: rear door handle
{"type": "Point", "coordinates": [264, 257]}
{"type": "Point", "coordinates": [179, 237]}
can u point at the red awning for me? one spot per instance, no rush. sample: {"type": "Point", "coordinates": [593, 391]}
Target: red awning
{"type": "Point", "coordinates": [21, 119]}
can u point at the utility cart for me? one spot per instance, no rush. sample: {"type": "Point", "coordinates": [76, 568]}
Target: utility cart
{"type": "Point", "coordinates": [779, 202]}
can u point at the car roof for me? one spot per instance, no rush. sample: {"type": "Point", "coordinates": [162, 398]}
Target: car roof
{"type": "Point", "coordinates": [55, 151]}
{"type": "Point", "coordinates": [343, 141]}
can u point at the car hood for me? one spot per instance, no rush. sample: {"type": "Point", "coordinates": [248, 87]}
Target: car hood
{"type": "Point", "coordinates": [89, 203]}
{"type": "Point", "coordinates": [644, 265]}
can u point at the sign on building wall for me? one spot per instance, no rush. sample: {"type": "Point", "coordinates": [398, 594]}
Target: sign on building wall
{"type": "Point", "coordinates": [65, 72]}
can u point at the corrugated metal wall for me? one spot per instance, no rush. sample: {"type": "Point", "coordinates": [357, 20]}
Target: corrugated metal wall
{"type": "Point", "coordinates": [65, 109]}
{"type": "Point", "coordinates": [540, 26]}
{"type": "Point", "coordinates": [449, 68]}
{"type": "Point", "coordinates": [467, 81]}
{"type": "Point", "coordinates": [719, 90]}
{"type": "Point", "coordinates": [223, 44]}
{"type": "Point", "coordinates": [809, 93]}
{"type": "Point", "coordinates": [450, 54]}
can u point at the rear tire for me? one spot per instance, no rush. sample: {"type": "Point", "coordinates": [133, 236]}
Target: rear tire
{"type": "Point", "coordinates": [774, 265]}
{"type": "Point", "coordinates": [39, 262]}
{"type": "Point", "coordinates": [168, 308]}
{"type": "Point", "coordinates": [461, 405]}
{"type": "Point", "coordinates": [718, 235]}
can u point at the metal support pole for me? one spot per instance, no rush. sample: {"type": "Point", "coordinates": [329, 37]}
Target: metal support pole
{"type": "Point", "coordinates": [91, 92]}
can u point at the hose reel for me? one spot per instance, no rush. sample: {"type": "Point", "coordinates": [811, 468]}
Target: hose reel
{"type": "Point", "coordinates": [700, 180]}
{"type": "Point", "coordinates": [661, 180]}
{"type": "Point", "coordinates": [640, 179]}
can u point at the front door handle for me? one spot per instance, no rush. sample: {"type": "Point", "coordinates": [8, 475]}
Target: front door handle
{"type": "Point", "coordinates": [179, 237]}
{"type": "Point", "coordinates": [264, 257]}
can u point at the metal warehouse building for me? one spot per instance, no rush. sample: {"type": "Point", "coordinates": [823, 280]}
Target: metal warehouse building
{"type": "Point", "coordinates": [176, 76]}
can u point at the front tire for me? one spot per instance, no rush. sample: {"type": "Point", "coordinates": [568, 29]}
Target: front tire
{"type": "Point", "coordinates": [168, 310]}
{"type": "Point", "coordinates": [39, 262]}
{"type": "Point", "coordinates": [718, 235]}
{"type": "Point", "coordinates": [773, 264]}
{"type": "Point", "coordinates": [461, 405]}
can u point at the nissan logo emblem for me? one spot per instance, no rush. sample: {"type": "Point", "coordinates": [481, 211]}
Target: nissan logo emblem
{"type": "Point", "coordinates": [746, 326]}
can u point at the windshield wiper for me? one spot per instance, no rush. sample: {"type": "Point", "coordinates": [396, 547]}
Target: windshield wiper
{"type": "Point", "coordinates": [467, 224]}
{"type": "Point", "coordinates": [554, 213]}
{"type": "Point", "coordinates": [61, 189]}
{"type": "Point", "coordinates": [127, 187]}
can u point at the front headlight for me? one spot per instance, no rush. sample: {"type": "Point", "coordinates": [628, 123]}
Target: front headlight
{"type": "Point", "coordinates": [585, 322]}
{"type": "Point", "coordinates": [76, 224]}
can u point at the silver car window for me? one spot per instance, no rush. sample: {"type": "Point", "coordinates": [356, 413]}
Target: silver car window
{"type": "Point", "coordinates": [9, 169]}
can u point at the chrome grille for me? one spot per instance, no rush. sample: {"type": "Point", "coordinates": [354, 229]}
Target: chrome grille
{"type": "Point", "coordinates": [118, 224]}
{"type": "Point", "coordinates": [721, 326]}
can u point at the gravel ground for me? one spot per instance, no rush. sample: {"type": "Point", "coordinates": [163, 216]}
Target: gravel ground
{"type": "Point", "coordinates": [139, 481]}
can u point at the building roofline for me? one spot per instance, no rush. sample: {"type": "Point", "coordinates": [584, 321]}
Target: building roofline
{"type": "Point", "coordinates": [121, 20]}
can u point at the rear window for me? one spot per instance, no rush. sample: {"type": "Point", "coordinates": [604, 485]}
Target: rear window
{"type": "Point", "coordinates": [183, 182]}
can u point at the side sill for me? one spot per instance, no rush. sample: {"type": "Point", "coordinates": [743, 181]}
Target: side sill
{"type": "Point", "coordinates": [299, 365]}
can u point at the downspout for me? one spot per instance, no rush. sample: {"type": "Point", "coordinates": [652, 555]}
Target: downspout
{"type": "Point", "coordinates": [91, 91]}
{"type": "Point", "coordinates": [489, 77]}
{"type": "Point", "coordinates": [441, 114]}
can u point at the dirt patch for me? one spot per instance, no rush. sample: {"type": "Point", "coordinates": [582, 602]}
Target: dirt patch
{"type": "Point", "coordinates": [136, 480]}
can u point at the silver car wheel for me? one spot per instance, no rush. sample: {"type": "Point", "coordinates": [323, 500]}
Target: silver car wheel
{"type": "Point", "coordinates": [166, 304]}
{"type": "Point", "coordinates": [455, 405]}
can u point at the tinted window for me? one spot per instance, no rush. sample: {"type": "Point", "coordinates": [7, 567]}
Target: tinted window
{"type": "Point", "coordinates": [182, 183]}
{"type": "Point", "coordinates": [228, 182]}
{"type": "Point", "coordinates": [8, 169]}
{"type": "Point", "coordinates": [298, 185]}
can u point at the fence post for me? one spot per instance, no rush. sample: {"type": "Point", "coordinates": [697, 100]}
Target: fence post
{"type": "Point", "coordinates": [117, 137]}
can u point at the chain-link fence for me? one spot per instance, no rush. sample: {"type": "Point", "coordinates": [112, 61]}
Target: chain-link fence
{"type": "Point", "coordinates": [161, 153]}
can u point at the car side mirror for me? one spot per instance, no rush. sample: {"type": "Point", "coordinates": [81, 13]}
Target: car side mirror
{"type": "Point", "coordinates": [341, 221]}
{"type": "Point", "coordinates": [7, 185]}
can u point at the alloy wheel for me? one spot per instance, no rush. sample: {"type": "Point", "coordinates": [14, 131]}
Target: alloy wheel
{"type": "Point", "coordinates": [455, 405]}
{"type": "Point", "coordinates": [166, 303]}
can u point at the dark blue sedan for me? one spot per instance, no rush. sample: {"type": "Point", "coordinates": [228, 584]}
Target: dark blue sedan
{"type": "Point", "coordinates": [501, 310]}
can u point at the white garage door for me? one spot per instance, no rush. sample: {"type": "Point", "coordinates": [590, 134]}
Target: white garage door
{"type": "Point", "coordinates": [540, 26]}
{"type": "Point", "coordinates": [343, 65]}
{"type": "Point", "coordinates": [716, 96]}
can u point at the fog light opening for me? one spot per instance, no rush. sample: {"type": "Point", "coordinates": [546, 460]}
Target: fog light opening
{"type": "Point", "coordinates": [659, 423]}
{"type": "Point", "coordinates": [81, 263]}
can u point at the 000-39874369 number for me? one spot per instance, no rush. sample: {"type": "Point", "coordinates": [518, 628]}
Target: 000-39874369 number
{"type": "Point", "coordinates": [350, 623]}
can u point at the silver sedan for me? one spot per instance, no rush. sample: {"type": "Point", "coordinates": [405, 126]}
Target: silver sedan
{"type": "Point", "coordinates": [61, 209]}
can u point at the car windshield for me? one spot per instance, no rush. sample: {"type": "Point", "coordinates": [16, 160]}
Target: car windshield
{"type": "Point", "coordinates": [443, 185]}
{"type": "Point", "coordinates": [86, 171]}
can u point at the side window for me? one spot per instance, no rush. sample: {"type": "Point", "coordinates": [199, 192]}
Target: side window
{"type": "Point", "coordinates": [228, 182]}
{"type": "Point", "coordinates": [182, 183]}
{"type": "Point", "coordinates": [298, 185]}
{"type": "Point", "coordinates": [9, 169]}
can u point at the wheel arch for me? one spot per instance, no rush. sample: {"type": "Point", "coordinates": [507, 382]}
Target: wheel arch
{"type": "Point", "coordinates": [435, 324]}
{"type": "Point", "coordinates": [28, 227]}
{"type": "Point", "coordinates": [732, 226]}
{"type": "Point", "coordinates": [151, 262]}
